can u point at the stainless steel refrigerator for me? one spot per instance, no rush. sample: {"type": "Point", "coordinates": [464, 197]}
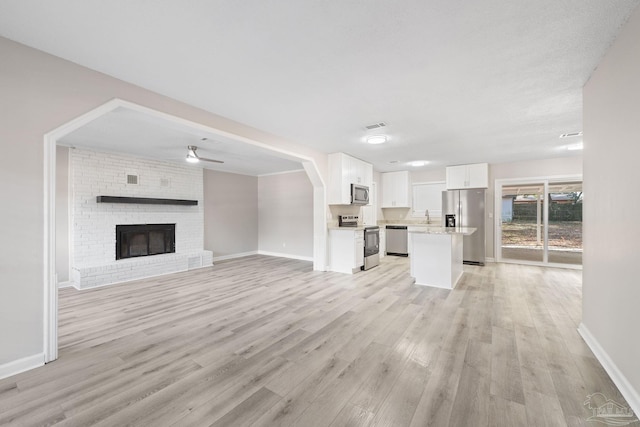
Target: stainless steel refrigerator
{"type": "Point", "coordinates": [467, 207]}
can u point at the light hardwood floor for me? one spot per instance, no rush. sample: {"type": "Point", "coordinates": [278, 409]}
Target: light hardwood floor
{"type": "Point", "coordinates": [263, 341]}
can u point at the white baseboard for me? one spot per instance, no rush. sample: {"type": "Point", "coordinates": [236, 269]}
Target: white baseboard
{"type": "Point", "coordinates": [301, 258]}
{"type": "Point", "coordinates": [21, 365]}
{"type": "Point", "coordinates": [626, 388]}
{"type": "Point", "coordinates": [67, 284]}
{"type": "Point", "coordinates": [489, 259]}
{"type": "Point", "coordinates": [232, 256]}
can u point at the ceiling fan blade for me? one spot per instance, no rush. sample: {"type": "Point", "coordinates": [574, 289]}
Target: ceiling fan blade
{"type": "Point", "coordinates": [210, 160]}
{"type": "Point", "coordinates": [193, 157]}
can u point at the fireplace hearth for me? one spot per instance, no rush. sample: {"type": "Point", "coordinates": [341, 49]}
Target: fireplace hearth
{"type": "Point", "coordinates": [138, 240]}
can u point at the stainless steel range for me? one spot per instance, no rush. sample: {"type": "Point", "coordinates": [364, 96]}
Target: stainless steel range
{"type": "Point", "coordinates": [371, 240]}
{"type": "Point", "coordinates": [347, 220]}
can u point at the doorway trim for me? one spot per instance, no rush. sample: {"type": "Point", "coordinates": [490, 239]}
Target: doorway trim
{"type": "Point", "coordinates": [50, 301]}
{"type": "Point", "coordinates": [497, 225]}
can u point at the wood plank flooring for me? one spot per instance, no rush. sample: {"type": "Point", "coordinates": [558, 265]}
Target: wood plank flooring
{"type": "Point", "coordinates": [263, 341]}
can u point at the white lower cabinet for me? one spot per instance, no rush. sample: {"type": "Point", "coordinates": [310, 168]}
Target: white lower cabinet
{"type": "Point", "coordinates": [383, 242]}
{"type": "Point", "coordinates": [346, 248]}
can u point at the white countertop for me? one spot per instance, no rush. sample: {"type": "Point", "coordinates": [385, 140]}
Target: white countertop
{"type": "Point", "coordinates": [411, 224]}
{"type": "Point", "coordinates": [336, 227]}
{"type": "Point", "coordinates": [465, 231]}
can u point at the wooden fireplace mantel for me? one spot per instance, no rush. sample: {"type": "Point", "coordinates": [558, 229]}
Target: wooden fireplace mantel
{"type": "Point", "coordinates": [145, 200]}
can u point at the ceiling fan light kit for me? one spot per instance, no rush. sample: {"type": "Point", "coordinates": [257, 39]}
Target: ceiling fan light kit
{"type": "Point", "coordinates": [192, 157]}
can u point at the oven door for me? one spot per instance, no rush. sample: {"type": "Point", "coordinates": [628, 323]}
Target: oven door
{"type": "Point", "coordinates": [371, 241]}
{"type": "Point", "coordinates": [371, 247]}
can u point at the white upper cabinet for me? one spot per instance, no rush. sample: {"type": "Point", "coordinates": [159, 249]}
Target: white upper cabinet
{"type": "Point", "coordinates": [468, 176]}
{"type": "Point", "coordinates": [395, 190]}
{"type": "Point", "coordinates": [345, 170]}
{"type": "Point", "coordinates": [361, 172]}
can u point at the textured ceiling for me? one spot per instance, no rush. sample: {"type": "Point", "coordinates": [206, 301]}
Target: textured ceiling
{"type": "Point", "coordinates": [456, 81]}
{"type": "Point", "coordinates": [126, 131]}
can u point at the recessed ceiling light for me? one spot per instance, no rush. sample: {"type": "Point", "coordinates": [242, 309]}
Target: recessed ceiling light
{"type": "Point", "coordinates": [574, 147]}
{"type": "Point", "coordinates": [571, 135]}
{"type": "Point", "coordinates": [376, 139]}
{"type": "Point", "coordinates": [418, 163]}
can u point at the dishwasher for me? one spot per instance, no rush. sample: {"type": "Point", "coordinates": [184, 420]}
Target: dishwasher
{"type": "Point", "coordinates": [397, 240]}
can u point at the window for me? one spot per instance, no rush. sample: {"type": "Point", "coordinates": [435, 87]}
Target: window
{"type": "Point", "coordinates": [427, 196]}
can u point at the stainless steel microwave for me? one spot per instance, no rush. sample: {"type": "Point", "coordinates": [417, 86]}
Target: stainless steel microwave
{"type": "Point", "coordinates": [359, 194]}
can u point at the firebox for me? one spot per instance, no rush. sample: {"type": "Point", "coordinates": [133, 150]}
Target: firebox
{"type": "Point", "coordinates": [138, 240]}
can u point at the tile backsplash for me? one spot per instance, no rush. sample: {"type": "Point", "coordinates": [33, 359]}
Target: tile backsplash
{"type": "Point", "coordinates": [403, 215]}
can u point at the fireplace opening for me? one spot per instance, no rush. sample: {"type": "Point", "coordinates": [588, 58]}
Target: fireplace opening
{"type": "Point", "coordinates": [144, 240]}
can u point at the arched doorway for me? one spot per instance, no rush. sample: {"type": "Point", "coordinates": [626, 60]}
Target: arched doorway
{"type": "Point", "coordinates": [50, 302]}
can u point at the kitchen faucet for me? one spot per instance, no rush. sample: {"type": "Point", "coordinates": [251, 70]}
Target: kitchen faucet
{"type": "Point", "coordinates": [426, 213]}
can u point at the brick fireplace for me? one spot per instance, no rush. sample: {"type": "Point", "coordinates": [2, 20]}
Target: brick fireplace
{"type": "Point", "coordinates": [177, 241]}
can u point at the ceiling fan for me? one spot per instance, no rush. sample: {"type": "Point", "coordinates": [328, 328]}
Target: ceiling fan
{"type": "Point", "coordinates": [193, 157]}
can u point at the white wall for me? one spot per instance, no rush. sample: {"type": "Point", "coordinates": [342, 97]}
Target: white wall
{"type": "Point", "coordinates": [33, 103]}
{"type": "Point", "coordinates": [285, 212]}
{"type": "Point", "coordinates": [571, 165]}
{"type": "Point", "coordinates": [230, 213]}
{"type": "Point", "coordinates": [611, 287]}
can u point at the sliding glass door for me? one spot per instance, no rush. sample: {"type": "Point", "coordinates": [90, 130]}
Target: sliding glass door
{"type": "Point", "coordinates": [565, 223]}
{"type": "Point", "coordinates": [540, 222]}
{"type": "Point", "coordinates": [522, 222]}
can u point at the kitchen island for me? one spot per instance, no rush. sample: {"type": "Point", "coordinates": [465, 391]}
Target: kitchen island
{"type": "Point", "coordinates": [436, 255]}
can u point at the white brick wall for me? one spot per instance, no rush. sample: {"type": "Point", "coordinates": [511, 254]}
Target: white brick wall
{"type": "Point", "coordinates": [94, 224]}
